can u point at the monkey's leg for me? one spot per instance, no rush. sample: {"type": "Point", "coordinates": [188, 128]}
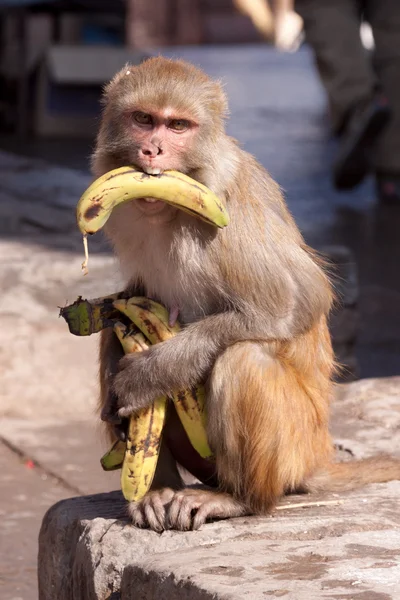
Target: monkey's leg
{"type": "Point", "coordinates": [267, 421]}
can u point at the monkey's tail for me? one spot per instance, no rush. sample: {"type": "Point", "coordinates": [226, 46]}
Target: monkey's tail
{"type": "Point", "coordinates": [339, 477]}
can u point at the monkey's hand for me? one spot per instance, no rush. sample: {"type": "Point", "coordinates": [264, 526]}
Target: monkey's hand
{"type": "Point", "coordinates": [186, 359]}
{"type": "Point", "coordinates": [176, 364]}
{"type": "Point", "coordinates": [136, 385]}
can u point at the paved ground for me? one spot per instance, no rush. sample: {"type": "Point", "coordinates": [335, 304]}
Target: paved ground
{"type": "Point", "coordinates": [47, 376]}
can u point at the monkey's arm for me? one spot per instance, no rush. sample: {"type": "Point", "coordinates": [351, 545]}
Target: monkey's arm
{"type": "Point", "coordinates": [187, 359]}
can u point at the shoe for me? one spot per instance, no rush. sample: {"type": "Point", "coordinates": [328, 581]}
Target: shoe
{"type": "Point", "coordinates": [388, 188]}
{"type": "Point", "coordinates": [358, 139]}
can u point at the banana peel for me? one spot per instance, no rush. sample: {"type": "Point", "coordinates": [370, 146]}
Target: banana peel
{"type": "Point", "coordinates": [152, 319]}
{"type": "Point", "coordinates": [143, 442]}
{"type": "Point", "coordinates": [149, 316]}
{"type": "Point", "coordinates": [85, 317]}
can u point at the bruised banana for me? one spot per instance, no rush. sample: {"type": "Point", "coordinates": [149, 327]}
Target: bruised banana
{"type": "Point", "coordinates": [85, 317]}
{"type": "Point", "coordinates": [152, 319]}
{"type": "Point", "coordinates": [144, 432]}
{"type": "Point", "coordinates": [127, 183]}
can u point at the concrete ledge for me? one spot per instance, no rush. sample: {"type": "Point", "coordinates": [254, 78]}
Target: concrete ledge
{"type": "Point", "coordinates": [88, 550]}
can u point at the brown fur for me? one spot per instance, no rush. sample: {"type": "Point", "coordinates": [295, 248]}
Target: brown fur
{"type": "Point", "coordinates": [253, 302]}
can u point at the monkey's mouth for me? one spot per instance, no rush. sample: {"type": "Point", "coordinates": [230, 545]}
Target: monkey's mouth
{"type": "Point", "coordinates": [152, 170]}
{"type": "Point", "coordinates": [150, 206]}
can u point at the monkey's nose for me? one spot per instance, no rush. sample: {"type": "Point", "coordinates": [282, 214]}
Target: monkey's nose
{"type": "Point", "coordinates": [150, 150]}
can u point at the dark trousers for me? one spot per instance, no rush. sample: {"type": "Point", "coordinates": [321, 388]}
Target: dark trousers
{"type": "Point", "coordinates": [332, 28]}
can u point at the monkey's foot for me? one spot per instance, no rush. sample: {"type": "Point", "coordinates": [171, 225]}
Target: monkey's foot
{"type": "Point", "coordinates": [151, 510]}
{"type": "Point", "coordinates": [183, 510]}
{"type": "Point", "coordinates": [190, 508]}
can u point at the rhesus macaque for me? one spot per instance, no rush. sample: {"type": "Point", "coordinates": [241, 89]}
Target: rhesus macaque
{"type": "Point", "coordinates": [252, 298]}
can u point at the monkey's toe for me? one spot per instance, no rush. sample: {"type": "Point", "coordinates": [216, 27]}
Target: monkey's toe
{"type": "Point", "coordinates": [150, 512]}
{"type": "Point", "coordinates": [181, 510]}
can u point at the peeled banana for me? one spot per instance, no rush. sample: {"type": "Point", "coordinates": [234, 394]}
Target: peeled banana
{"type": "Point", "coordinates": [144, 432]}
{"type": "Point", "coordinates": [152, 319]}
{"type": "Point", "coordinates": [127, 183]}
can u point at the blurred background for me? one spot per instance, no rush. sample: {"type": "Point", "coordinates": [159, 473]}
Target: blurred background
{"type": "Point", "coordinates": [309, 88]}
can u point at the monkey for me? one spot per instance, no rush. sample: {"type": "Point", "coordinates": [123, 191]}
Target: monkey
{"type": "Point", "coordinates": [253, 300]}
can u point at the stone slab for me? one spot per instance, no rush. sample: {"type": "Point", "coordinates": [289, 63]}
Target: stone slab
{"type": "Point", "coordinates": [88, 550]}
{"type": "Point", "coordinates": [346, 548]}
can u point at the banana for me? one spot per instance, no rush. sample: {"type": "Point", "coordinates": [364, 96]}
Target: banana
{"type": "Point", "coordinates": [149, 316]}
{"type": "Point", "coordinates": [144, 433]}
{"type": "Point", "coordinates": [152, 319]}
{"type": "Point", "coordinates": [85, 317]}
{"type": "Point", "coordinates": [127, 183]}
{"type": "Point", "coordinates": [190, 407]}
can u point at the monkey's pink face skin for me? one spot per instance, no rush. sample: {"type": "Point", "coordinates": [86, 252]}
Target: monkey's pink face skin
{"type": "Point", "coordinates": [162, 140]}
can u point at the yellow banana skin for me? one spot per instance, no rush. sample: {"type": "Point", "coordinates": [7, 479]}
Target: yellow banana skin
{"type": "Point", "coordinates": [190, 407]}
{"type": "Point", "coordinates": [144, 432]}
{"type": "Point", "coordinates": [127, 183]}
{"type": "Point", "coordinates": [148, 316]}
{"type": "Point", "coordinates": [152, 319]}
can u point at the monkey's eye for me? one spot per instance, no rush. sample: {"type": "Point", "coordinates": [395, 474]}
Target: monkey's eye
{"type": "Point", "coordinates": [179, 124]}
{"type": "Point", "coordinates": [142, 118]}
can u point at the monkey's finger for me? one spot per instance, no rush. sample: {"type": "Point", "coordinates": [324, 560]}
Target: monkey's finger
{"type": "Point", "coordinates": [218, 506]}
{"type": "Point", "coordinates": [136, 514]}
{"type": "Point", "coordinates": [154, 511]}
{"type": "Point", "coordinates": [180, 513]}
{"type": "Point", "coordinates": [121, 430]}
{"type": "Point", "coordinates": [206, 511]}
{"type": "Point", "coordinates": [109, 413]}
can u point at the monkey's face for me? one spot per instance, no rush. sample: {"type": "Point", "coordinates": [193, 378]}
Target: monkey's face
{"type": "Point", "coordinates": [162, 140]}
{"type": "Point", "coordinates": [160, 115]}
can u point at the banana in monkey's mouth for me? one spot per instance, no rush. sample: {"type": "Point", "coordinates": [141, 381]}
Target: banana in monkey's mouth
{"type": "Point", "coordinates": [127, 183]}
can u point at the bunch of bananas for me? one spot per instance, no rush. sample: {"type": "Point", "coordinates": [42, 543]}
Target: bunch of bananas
{"type": "Point", "coordinates": [148, 324]}
{"type": "Point", "coordinates": [139, 321]}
